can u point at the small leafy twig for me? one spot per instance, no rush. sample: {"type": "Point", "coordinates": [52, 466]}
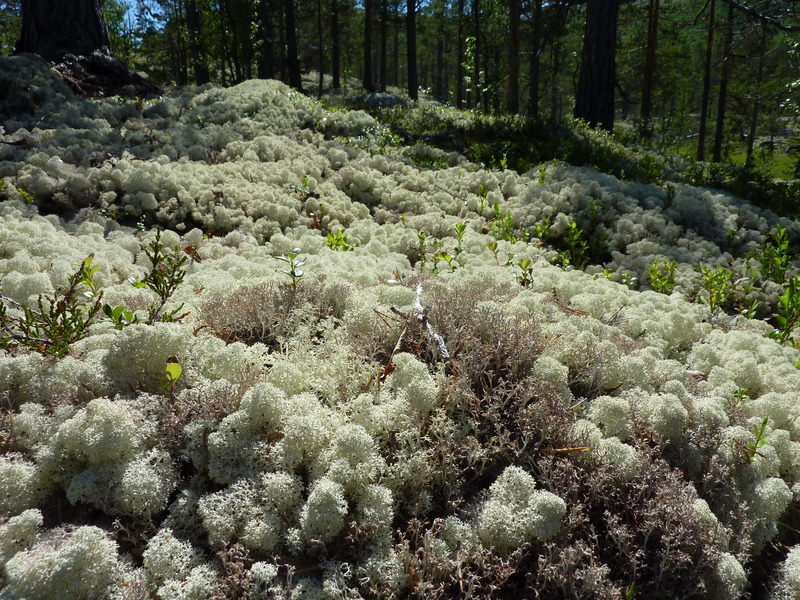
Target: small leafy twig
{"type": "Point", "coordinates": [461, 229]}
{"type": "Point", "coordinates": [492, 246]}
{"type": "Point", "coordinates": [337, 240]}
{"type": "Point", "coordinates": [120, 316]}
{"type": "Point", "coordinates": [166, 274]}
{"type": "Point", "coordinates": [525, 276]}
{"type": "Point", "coordinates": [719, 286]}
{"type": "Point", "coordinates": [760, 432]}
{"type": "Point", "coordinates": [294, 271]}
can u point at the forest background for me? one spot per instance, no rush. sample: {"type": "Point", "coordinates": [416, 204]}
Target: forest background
{"type": "Point", "coordinates": [709, 79]}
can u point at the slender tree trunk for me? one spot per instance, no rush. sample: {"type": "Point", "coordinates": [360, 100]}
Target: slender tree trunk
{"type": "Point", "coordinates": [701, 141]}
{"type": "Point", "coordinates": [719, 133]}
{"type": "Point", "coordinates": [336, 44]}
{"type": "Point", "coordinates": [177, 47]}
{"type": "Point", "coordinates": [282, 62]}
{"type": "Point", "coordinates": [535, 64]}
{"type": "Point", "coordinates": [195, 28]}
{"type": "Point", "coordinates": [649, 68]}
{"type": "Point", "coordinates": [594, 101]}
{"type": "Point", "coordinates": [384, 44]}
{"type": "Point", "coordinates": [266, 65]}
{"type": "Point", "coordinates": [235, 41]}
{"type": "Point", "coordinates": [439, 83]}
{"type": "Point", "coordinates": [292, 59]}
{"type": "Point", "coordinates": [751, 138]}
{"type": "Point", "coordinates": [476, 74]}
{"type": "Point", "coordinates": [244, 22]}
{"type": "Point", "coordinates": [512, 81]}
{"type": "Point", "coordinates": [321, 44]}
{"type": "Point", "coordinates": [395, 46]}
{"type": "Point", "coordinates": [460, 57]}
{"type": "Point", "coordinates": [369, 82]}
{"type": "Point", "coordinates": [556, 108]}
{"type": "Point", "coordinates": [411, 40]}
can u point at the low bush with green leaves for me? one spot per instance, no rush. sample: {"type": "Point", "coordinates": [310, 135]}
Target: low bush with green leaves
{"type": "Point", "coordinates": [662, 276]}
{"type": "Point", "coordinates": [61, 319]}
{"type": "Point", "coordinates": [789, 315]}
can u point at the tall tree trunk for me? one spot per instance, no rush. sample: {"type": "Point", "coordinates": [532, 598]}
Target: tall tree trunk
{"type": "Point", "coordinates": [54, 28]}
{"type": "Point", "coordinates": [719, 133]}
{"type": "Point", "coordinates": [395, 46]}
{"type": "Point", "coordinates": [336, 50]}
{"type": "Point", "coordinates": [649, 68]}
{"type": "Point", "coordinates": [176, 45]}
{"type": "Point", "coordinates": [460, 57]}
{"type": "Point", "coordinates": [384, 74]}
{"type": "Point", "coordinates": [441, 24]}
{"type": "Point", "coordinates": [594, 101]}
{"type": "Point", "coordinates": [751, 138]}
{"type": "Point", "coordinates": [235, 41]}
{"type": "Point", "coordinates": [292, 60]}
{"type": "Point", "coordinates": [701, 137]}
{"type": "Point", "coordinates": [512, 82]}
{"type": "Point", "coordinates": [266, 65]}
{"type": "Point", "coordinates": [555, 96]}
{"type": "Point", "coordinates": [369, 81]}
{"type": "Point", "coordinates": [535, 64]}
{"type": "Point", "coordinates": [440, 92]}
{"type": "Point", "coordinates": [244, 31]}
{"type": "Point", "coordinates": [321, 44]}
{"type": "Point", "coordinates": [282, 63]}
{"type": "Point", "coordinates": [195, 28]}
{"type": "Point", "coordinates": [73, 34]}
{"type": "Point", "coordinates": [411, 41]}
{"type": "Point", "coordinates": [476, 67]}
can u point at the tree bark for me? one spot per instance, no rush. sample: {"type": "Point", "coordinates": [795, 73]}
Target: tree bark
{"type": "Point", "coordinates": [195, 27]}
{"type": "Point", "coordinates": [535, 63]}
{"type": "Point", "coordinates": [440, 82]}
{"type": "Point", "coordinates": [266, 64]}
{"type": "Point", "coordinates": [512, 83]}
{"type": "Point", "coordinates": [460, 57]}
{"type": "Point", "coordinates": [411, 41]}
{"type": "Point", "coordinates": [369, 81]}
{"type": "Point", "coordinates": [54, 28]}
{"type": "Point", "coordinates": [336, 50]}
{"type": "Point", "coordinates": [384, 65]}
{"type": "Point", "coordinates": [73, 34]}
{"type": "Point", "coordinates": [321, 50]}
{"type": "Point", "coordinates": [649, 68]}
{"type": "Point", "coordinates": [719, 134]}
{"type": "Point", "coordinates": [440, 23]}
{"type": "Point", "coordinates": [281, 56]}
{"type": "Point", "coordinates": [594, 101]}
{"type": "Point", "coordinates": [292, 60]}
{"type": "Point", "coordinates": [476, 71]}
{"type": "Point", "coordinates": [701, 137]}
{"type": "Point", "coordinates": [751, 138]}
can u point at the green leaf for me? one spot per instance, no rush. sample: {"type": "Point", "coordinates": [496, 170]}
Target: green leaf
{"type": "Point", "coordinates": [173, 372]}
{"type": "Point", "coordinates": [629, 593]}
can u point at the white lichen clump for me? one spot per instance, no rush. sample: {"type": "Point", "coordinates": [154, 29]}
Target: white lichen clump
{"type": "Point", "coordinates": [78, 564]}
{"type": "Point", "coordinates": [516, 513]}
{"type": "Point", "coordinates": [787, 584]}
